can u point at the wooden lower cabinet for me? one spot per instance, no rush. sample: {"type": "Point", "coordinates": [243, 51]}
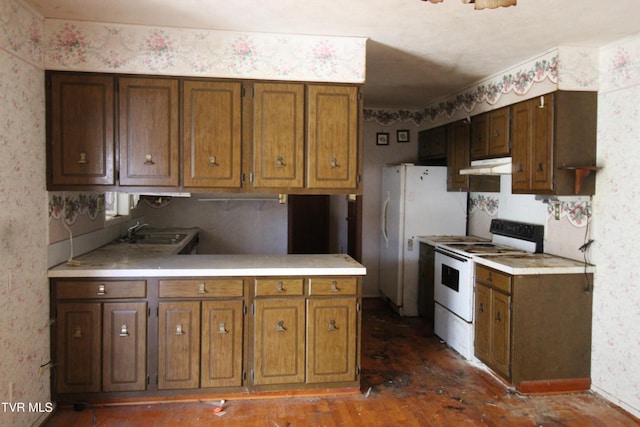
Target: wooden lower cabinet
{"type": "Point", "coordinates": [331, 340]}
{"type": "Point", "coordinates": [279, 341]}
{"type": "Point", "coordinates": [178, 345]}
{"type": "Point", "coordinates": [535, 330]}
{"type": "Point", "coordinates": [186, 336]}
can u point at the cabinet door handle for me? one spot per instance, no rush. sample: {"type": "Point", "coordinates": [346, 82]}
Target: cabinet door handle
{"type": "Point", "coordinates": [280, 287]}
{"type": "Point", "coordinates": [280, 326]}
{"type": "Point", "coordinates": [519, 170]}
{"type": "Point", "coordinates": [334, 286]}
{"type": "Point", "coordinates": [334, 162]}
{"type": "Point", "coordinates": [212, 161]}
{"type": "Point", "coordinates": [179, 330]}
{"type": "Point", "coordinates": [497, 133]}
{"type": "Point", "coordinates": [332, 326]}
{"type": "Point", "coordinates": [101, 290]}
{"type": "Point", "coordinates": [83, 158]}
{"type": "Point", "coordinates": [202, 288]}
{"type": "Point", "coordinates": [539, 167]}
{"type": "Point", "coordinates": [123, 331]}
{"type": "Point", "coordinates": [222, 328]}
{"type": "Point", "coordinates": [148, 160]}
{"type": "Point", "coordinates": [481, 307]}
{"type": "Point", "coordinates": [280, 162]}
{"type": "Point", "coordinates": [490, 277]}
{"type": "Point", "coordinates": [78, 332]}
{"type": "Point", "coordinates": [498, 317]}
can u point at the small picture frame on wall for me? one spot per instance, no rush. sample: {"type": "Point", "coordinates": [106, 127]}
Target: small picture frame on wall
{"type": "Point", "coordinates": [403, 135]}
{"type": "Point", "coordinates": [382, 138]}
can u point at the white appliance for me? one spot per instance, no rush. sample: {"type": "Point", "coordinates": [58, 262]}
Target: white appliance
{"type": "Point", "coordinates": [454, 278]}
{"type": "Point", "coordinates": [415, 202]}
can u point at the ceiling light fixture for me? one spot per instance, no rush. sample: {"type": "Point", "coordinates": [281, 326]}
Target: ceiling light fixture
{"type": "Point", "coordinates": [484, 4]}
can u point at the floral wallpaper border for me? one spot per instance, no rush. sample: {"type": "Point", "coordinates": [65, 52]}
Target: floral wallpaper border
{"type": "Point", "coordinates": [68, 207]}
{"type": "Point", "coordinates": [21, 32]}
{"type": "Point", "coordinates": [566, 68]}
{"type": "Point", "coordinates": [488, 204]}
{"type": "Point", "coordinates": [578, 214]}
{"type": "Point", "coordinates": [99, 47]}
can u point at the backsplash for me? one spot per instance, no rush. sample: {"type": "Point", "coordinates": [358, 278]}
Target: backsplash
{"type": "Point", "coordinates": [74, 212]}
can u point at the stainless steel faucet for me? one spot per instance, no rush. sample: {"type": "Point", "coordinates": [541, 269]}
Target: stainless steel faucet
{"type": "Point", "coordinates": [131, 231]}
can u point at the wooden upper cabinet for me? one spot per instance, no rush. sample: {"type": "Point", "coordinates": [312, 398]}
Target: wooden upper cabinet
{"type": "Point", "coordinates": [80, 114]}
{"type": "Point", "coordinates": [490, 135]}
{"type": "Point", "coordinates": [432, 146]}
{"type": "Point", "coordinates": [458, 134]}
{"type": "Point", "coordinates": [212, 134]}
{"type": "Point", "coordinates": [149, 131]}
{"type": "Point", "coordinates": [332, 137]}
{"type": "Point", "coordinates": [278, 135]}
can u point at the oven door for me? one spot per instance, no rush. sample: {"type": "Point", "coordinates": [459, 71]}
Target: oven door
{"type": "Point", "coordinates": [453, 287]}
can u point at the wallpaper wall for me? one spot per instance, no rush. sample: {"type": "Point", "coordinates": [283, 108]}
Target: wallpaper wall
{"type": "Point", "coordinates": [24, 289]}
{"type": "Point", "coordinates": [616, 229]}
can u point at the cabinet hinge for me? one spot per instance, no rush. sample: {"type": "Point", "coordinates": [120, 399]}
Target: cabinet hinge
{"type": "Point", "coordinates": [253, 309]}
{"type": "Point", "coordinates": [253, 93]}
{"type": "Point", "coordinates": [148, 379]}
{"type": "Point", "coordinates": [244, 375]}
{"type": "Point", "coordinates": [156, 379]}
{"type": "Point", "coordinates": [251, 177]}
{"type": "Point", "coordinates": [253, 375]}
{"type": "Point", "coordinates": [243, 91]}
{"type": "Point", "coordinates": [359, 96]}
{"type": "Point", "coordinates": [358, 179]}
{"type": "Point", "coordinates": [158, 311]}
{"type": "Point", "coordinates": [357, 307]}
{"type": "Point", "coordinates": [149, 312]}
{"type": "Point", "coordinates": [358, 371]}
{"type": "Point", "coordinates": [244, 309]}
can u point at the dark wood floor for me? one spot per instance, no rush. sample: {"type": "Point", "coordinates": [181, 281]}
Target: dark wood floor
{"type": "Point", "coordinates": [409, 378]}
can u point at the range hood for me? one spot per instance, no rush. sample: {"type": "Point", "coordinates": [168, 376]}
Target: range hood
{"type": "Point", "coordinates": [499, 166]}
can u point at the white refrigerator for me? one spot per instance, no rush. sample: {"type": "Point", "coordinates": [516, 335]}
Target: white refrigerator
{"type": "Point", "coordinates": [415, 202]}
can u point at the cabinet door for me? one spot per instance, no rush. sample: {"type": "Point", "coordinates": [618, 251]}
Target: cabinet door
{"type": "Point", "coordinates": [480, 136]}
{"type": "Point", "coordinates": [278, 135]}
{"type": "Point", "coordinates": [78, 348]}
{"type": "Point", "coordinates": [221, 364]}
{"type": "Point", "coordinates": [458, 134]}
{"type": "Point", "coordinates": [482, 323]}
{"type": "Point", "coordinates": [501, 332]}
{"type": "Point", "coordinates": [333, 141]}
{"type": "Point", "coordinates": [279, 348]}
{"type": "Point", "coordinates": [498, 134]}
{"type": "Point", "coordinates": [521, 146]}
{"type": "Point", "coordinates": [212, 134]}
{"type": "Point", "coordinates": [124, 348]}
{"type": "Point", "coordinates": [542, 144]}
{"type": "Point", "coordinates": [179, 345]}
{"type": "Point", "coordinates": [331, 340]}
{"type": "Point", "coordinates": [149, 133]}
{"type": "Point", "coordinates": [432, 144]}
{"type": "Point", "coordinates": [81, 139]}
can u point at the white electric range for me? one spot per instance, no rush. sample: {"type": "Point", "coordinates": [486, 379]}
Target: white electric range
{"type": "Point", "coordinates": [454, 276]}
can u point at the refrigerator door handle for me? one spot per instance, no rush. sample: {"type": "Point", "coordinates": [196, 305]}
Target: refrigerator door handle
{"type": "Point", "coordinates": [385, 207]}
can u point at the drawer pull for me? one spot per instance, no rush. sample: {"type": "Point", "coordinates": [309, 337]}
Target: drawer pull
{"type": "Point", "coordinates": [280, 287]}
{"type": "Point", "coordinates": [490, 277]}
{"type": "Point", "coordinates": [83, 158]}
{"type": "Point", "coordinates": [222, 328]}
{"type": "Point", "coordinates": [280, 326]}
{"type": "Point", "coordinates": [148, 160]}
{"type": "Point", "coordinates": [332, 326]}
{"type": "Point", "coordinates": [334, 163]}
{"type": "Point", "coordinates": [280, 162]}
{"type": "Point", "coordinates": [202, 288]}
{"type": "Point", "coordinates": [78, 332]}
{"type": "Point", "coordinates": [179, 330]}
{"type": "Point", "coordinates": [334, 287]}
{"type": "Point", "coordinates": [101, 290]}
{"type": "Point", "coordinates": [123, 331]}
{"type": "Point", "coordinates": [212, 161]}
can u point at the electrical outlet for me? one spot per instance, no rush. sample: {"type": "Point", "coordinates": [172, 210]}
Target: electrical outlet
{"type": "Point", "coordinates": [557, 209]}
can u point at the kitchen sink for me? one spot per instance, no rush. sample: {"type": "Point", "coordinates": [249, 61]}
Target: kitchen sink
{"type": "Point", "coordinates": [159, 238]}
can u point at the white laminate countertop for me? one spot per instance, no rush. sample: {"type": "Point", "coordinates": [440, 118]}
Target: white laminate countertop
{"type": "Point", "coordinates": [146, 260]}
{"type": "Point", "coordinates": [527, 264]}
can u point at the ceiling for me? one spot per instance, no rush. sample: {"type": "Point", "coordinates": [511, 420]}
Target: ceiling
{"type": "Point", "coordinates": [417, 52]}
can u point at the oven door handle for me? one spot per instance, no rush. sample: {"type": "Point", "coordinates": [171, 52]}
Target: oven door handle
{"type": "Point", "coordinates": [449, 254]}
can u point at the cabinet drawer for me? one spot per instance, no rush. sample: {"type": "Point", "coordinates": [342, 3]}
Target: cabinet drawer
{"type": "Point", "coordinates": [101, 289]}
{"type": "Point", "coordinates": [333, 286]}
{"type": "Point", "coordinates": [200, 288]}
{"type": "Point", "coordinates": [493, 278]}
{"type": "Point", "coordinates": [279, 287]}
